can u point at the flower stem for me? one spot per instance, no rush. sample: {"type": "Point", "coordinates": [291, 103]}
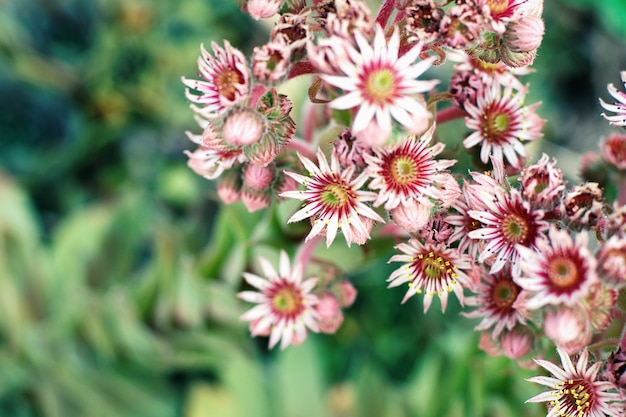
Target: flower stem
{"type": "Point", "coordinates": [301, 147]}
{"type": "Point", "coordinates": [621, 191]}
{"type": "Point", "coordinates": [385, 12]}
{"type": "Point", "coordinates": [303, 256]}
{"type": "Point", "coordinates": [449, 114]}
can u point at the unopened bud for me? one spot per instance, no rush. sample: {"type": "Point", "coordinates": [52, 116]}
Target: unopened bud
{"type": "Point", "coordinates": [524, 34]}
{"type": "Point", "coordinates": [264, 151]}
{"type": "Point", "coordinates": [255, 199]}
{"type": "Point", "coordinates": [262, 9]}
{"type": "Point", "coordinates": [345, 292]}
{"type": "Point", "coordinates": [243, 127]}
{"type": "Point", "coordinates": [412, 215]}
{"type": "Point", "coordinates": [329, 313]}
{"type": "Point", "coordinates": [258, 177]}
{"type": "Point", "coordinates": [229, 187]}
{"type": "Point", "coordinates": [517, 59]}
{"type": "Point", "coordinates": [516, 343]}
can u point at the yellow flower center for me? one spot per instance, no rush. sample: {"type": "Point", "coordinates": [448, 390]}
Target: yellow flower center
{"type": "Point", "coordinates": [335, 195]}
{"type": "Point", "coordinates": [515, 228]}
{"type": "Point", "coordinates": [287, 300]}
{"type": "Point", "coordinates": [380, 85]}
{"type": "Point", "coordinates": [496, 124]}
{"type": "Point", "coordinates": [403, 170]}
{"type": "Point", "coordinates": [497, 6]}
{"type": "Point", "coordinates": [574, 398]}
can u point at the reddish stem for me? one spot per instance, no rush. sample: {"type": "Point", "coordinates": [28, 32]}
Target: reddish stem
{"type": "Point", "coordinates": [257, 91]}
{"type": "Point", "coordinates": [303, 256]}
{"type": "Point", "coordinates": [399, 16]}
{"type": "Point", "coordinates": [301, 68]}
{"type": "Point", "coordinates": [302, 148]}
{"type": "Point", "coordinates": [385, 12]}
{"type": "Point", "coordinates": [621, 191]}
{"type": "Point", "coordinates": [450, 113]}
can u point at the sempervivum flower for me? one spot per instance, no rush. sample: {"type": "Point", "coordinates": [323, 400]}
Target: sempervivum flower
{"type": "Point", "coordinates": [333, 199]}
{"type": "Point", "coordinates": [407, 171]}
{"type": "Point", "coordinates": [507, 224]}
{"type": "Point", "coordinates": [613, 150]}
{"type": "Point", "coordinates": [495, 300]}
{"type": "Point", "coordinates": [576, 391]}
{"type": "Point", "coordinates": [431, 268]}
{"type": "Point", "coordinates": [542, 183]}
{"type": "Point", "coordinates": [285, 305]}
{"type": "Point", "coordinates": [583, 205]}
{"type": "Point", "coordinates": [226, 80]}
{"type": "Point", "coordinates": [558, 271]}
{"type": "Point", "coordinates": [378, 82]}
{"type": "Point", "coordinates": [618, 107]}
{"type": "Point", "coordinates": [500, 123]}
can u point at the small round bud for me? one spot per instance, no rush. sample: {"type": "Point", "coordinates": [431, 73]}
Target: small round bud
{"type": "Point", "coordinates": [258, 177]}
{"type": "Point", "coordinates": [412, 216]}
{"type": "Point", "coordinates": [264, 151]}
{"type": "Point", "coordinates": [524, 34]}
{"type": "Point", "coordinates": [569, 328]}
{"type": "Point", "coordinates": [262, 9]}
{"type": "Point", "coordinates": [229, 187]}
{"type": "Point", "coordinates": [255, 199]}
{"type": "Point", "coordinates": [345, 292]}
{"type": "Point", "coordinates": [516, 343]}
{"type": "Point", "coordinates": [517, 59]}
{"type": "Point", "coordinates": [243, 127]}
{"type": "Point", "coordinates": [329, 313]}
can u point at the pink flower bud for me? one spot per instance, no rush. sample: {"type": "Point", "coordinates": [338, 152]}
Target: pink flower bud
{"type": "Point", "coordinates": [345, 292]}
{"type": "Point", "coordinates": [373, 135]}
{"type": "Point", "coordinates": [613, 150]}
{"type": "Point", "coordinates": [254, 199]}
{"type": "Point", "coordinates": [329, 313]}
{"type": "Point", "coordinates": [569, 328]}
{"type": "Point", "coordinates": [285, 183]}
{"type": "Point", "coordinates": [412, 216]}
{"type": "Point", "coordinates": [263, 152]}
{"type": "Point", "coordinates": [243, 127]}
{"type": "Point", "coordinates": [524, 34]}
{"type": "Point", "coordinates": [488, 345]}
{"type": "Point", "coordinates": [263, 9]}
{"type": "Point", "coordinates": [258, 177]}
{"type": "Point", "coordinates": [229, 187]}
{"type": "Point", "coordinates": [517, 59]}
{"type": "Point", "coordinates": [516, 343]}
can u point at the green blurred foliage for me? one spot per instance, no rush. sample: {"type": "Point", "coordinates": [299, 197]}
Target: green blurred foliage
{"type": "Point", "coordinates": [118, 275]}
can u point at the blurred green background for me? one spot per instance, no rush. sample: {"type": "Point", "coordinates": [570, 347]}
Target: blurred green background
{"type": "Point", "coordinates": [118, 270]}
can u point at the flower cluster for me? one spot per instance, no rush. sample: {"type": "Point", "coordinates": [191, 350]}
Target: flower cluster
{"type": "Point", "coordinates": [533, 258]}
